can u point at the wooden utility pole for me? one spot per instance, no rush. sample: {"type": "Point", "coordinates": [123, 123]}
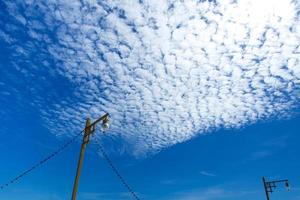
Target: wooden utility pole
{"type": "Point", "coordinates": [266, 188]}
{"type": "Point", "coordinates": [89, 129]}
{"type": "Point", "coordinates": [86, 139]}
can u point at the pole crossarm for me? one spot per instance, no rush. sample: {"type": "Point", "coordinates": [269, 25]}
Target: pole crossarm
{"type": "Point", "coordinates": [104, 117]}
{"type": "Point", "coordinates": [278, 181]}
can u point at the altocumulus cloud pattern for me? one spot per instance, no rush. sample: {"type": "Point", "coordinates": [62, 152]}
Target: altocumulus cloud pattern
{"type": "Point", "coordinates": [166, 71]}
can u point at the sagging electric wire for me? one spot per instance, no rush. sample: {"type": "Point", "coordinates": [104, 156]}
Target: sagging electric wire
{"type": "Point", "coordinates": [115, 170]}
{"type": "Point", "coordinates": [41, 162]}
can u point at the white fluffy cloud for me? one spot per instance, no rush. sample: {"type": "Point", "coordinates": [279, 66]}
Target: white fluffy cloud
{"type": "Point", "coordinates": [167, 71]}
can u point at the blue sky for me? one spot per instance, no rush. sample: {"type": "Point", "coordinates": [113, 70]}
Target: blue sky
{"type": "Point", "coordinates": [203, 96]}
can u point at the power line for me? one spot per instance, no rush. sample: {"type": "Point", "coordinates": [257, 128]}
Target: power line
{"type": "Point", "coordinates": [60, 149]}
{"type": "Point", "coordinates": [41, 162]}
{"type": "Point", "coordinates": [112, 166]}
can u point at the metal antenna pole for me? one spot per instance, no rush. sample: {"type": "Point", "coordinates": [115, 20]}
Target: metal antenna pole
{"type": "Point", "coordinates": [266, 189]}
{"type": "Point", "coordinates": [85, 140]}
{"type": "Point", "coordinates": [270, 185]}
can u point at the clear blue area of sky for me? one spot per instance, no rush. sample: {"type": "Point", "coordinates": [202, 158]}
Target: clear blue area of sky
{"type": "Point", "coordinates": [222, 165]}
